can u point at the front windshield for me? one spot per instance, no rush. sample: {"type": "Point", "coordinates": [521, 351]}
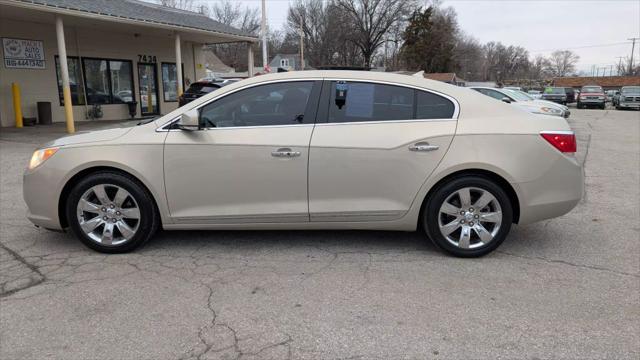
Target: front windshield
{"type": "Point", "coordinates": [554, 91]}
{"type": "Point", "coordinates": [525, 95]}
{"type": "Point", "coordinates": [516, 95]}
{"type": "Point", "coordinates": [631, 90]}
{"type": "Point", "coordinates": [592, 89]}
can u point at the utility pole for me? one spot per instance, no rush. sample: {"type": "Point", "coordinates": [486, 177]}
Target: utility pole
{"type": "Point", "coordinates": [302, 42]}
{"type": "Point", "coordinates": [265, 56]}
{"type": "Point", "coordinates": [620, 65]}
{"type": "Point", "coordinates": [633, 49]}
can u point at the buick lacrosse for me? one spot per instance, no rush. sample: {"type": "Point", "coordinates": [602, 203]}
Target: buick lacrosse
{"type": "Point", "coordinates": [313, 150]}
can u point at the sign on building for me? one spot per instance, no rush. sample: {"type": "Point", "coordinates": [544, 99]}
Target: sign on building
{"type": "Point", "coordinates": [23, 54]}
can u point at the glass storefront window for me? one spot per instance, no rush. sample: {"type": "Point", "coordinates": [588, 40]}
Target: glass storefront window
{"type": "Point", "coordinates": [96, 76]}
{"type": "Point", "coordinates": [169, 82]}
{"type": "Point", "coordinates": [121, 73]}
{"type": "Point", "coordinates": [75, 81]}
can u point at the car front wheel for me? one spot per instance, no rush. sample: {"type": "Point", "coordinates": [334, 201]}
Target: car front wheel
{"type": "Point", "coordinates": [468, 216]}
{"type": "Point", "coordinates": [111, 212]}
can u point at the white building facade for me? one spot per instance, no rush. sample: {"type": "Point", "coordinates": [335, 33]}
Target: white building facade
{"type": "Point", "coordinates": [118, 52]}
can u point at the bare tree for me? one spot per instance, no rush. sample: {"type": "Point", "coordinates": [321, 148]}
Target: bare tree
{"type": "Point", "coordinates": [232, 14]}
{"type": "Point", "coordinates": [539, 68]}
{"type": "Point", "coordinates": [178, 4]}
{"type": "Point", "coordinates": [624, 65]}
{"type": "Point", "coordinates": [562, 62]}
{"type": "Point", "coordinates": [371, 19]}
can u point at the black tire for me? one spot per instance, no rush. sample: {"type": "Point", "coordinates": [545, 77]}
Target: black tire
{"type": "Point", "coordinates": [580, 106]}
{"type": "Point", "coordinates": [148, 222]}
{"type": "Point", "coordinates": [431, 213]}
{"type": "Point", "coordinates": [603, 106]}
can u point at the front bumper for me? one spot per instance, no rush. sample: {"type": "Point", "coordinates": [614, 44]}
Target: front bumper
{"type": "Point", "coordinates": [630, 105]}
{"type": "Point", "coordinates": [553, 194]}
{"type": "Point", "coordinates": [555, 100]}
{"type": "Point", "coordinates": [40, 189]}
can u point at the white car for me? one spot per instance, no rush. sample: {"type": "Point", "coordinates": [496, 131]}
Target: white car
{"type": "Point", "coordinates": [536, 94]}
{"type": "Point", "coordinates": [523, 101]}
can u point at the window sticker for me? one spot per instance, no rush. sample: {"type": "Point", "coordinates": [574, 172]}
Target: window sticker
{"type": "Point", "coordinates": [360, 100]}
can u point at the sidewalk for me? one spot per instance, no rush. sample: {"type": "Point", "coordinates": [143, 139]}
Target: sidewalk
{"type": "Point", "coordinates": [42, 133]}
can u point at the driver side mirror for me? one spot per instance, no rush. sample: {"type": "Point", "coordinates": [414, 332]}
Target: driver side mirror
{"type": "Point", "coordinates": [507, 100]}
{"type": "Point", "coordinates": [189, 121]}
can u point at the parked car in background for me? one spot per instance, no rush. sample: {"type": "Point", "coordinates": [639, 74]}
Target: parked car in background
{"type": "Point", "coordinates": [516, 88]}
{"type": "Point", "coordinates": [571, 95]}
{"type": "Point", "coordinates": [564, 108]}
{"type": "Point", "coordinates": [555, 94]}
{"type": "Point", "coordinates": [608, 95]}
{"type": "Point", "coordinates": [536, 94]}
{"type": "Point", "coordinates": [591, 96]}
{"type": "Point", "coordinates": [313, 150]}
{"type": "Point", "coordinates": [522, 101]}
{"type": "Point", "coordinates": [615, 98]}
{"type": "Point", "coordinates": [629, 98]}
{"type": "Point", "coordinates": [198, 89]}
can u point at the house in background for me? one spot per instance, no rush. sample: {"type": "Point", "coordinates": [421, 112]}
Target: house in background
{"type": "Point", "coordinates": [449, 78]}
{"type": "Point", "coordinates": [287, 62]}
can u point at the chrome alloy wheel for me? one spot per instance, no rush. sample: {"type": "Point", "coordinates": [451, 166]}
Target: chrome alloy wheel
{"type": "Point", "coordinates": [470, 218]}
{"type": "Point", "coordinates": [108, 214]}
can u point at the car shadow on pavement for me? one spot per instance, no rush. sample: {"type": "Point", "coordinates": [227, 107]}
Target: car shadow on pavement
{"type": "Point", "coordinates": [273, 240]}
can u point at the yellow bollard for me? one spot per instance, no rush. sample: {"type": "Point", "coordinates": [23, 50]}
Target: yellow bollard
{"type": "Point", "coordinates": [68, 109]}
{"type": "Point", "coordinates": [17, 107]}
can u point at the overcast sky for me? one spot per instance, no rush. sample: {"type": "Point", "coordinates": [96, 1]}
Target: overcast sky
{"type": "Point", "coordinates": [597, 30]}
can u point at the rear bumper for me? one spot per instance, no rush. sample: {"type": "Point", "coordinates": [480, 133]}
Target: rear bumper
{"type": "Point", "coordinates": [553, 194]}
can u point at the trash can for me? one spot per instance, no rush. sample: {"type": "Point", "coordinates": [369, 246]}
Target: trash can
{"type": "Point", "coordinates": [44, 113]}
{"type": "Point", "coordinates": [132, 108]}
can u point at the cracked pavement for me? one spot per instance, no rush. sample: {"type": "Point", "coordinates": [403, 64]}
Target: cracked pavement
{"type": "Point", "coordinates": [562, 288]}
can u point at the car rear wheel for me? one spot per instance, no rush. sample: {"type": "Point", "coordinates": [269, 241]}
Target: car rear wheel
{"type": "Point", "coordinates": [111, 212]}
{"type": "Point", "coordinates": [468, 216]}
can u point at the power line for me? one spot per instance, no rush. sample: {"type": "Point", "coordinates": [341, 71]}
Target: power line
{"type": "Point", "coordinates": [583, 47]}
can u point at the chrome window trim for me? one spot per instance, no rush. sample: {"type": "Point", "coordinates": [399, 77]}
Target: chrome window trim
{"type": "Point", "coordinates": [456, 111]}
{"type": "Point", "coordinates": [561, 132]}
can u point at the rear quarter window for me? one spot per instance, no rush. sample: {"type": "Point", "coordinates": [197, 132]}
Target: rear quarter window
{"type": "Point", "coordinates": [432, 106]}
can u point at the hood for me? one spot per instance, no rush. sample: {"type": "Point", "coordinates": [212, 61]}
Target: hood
{"type": "Point", "coordinates": [551, 104]}
{"type": "Point", "coordinates": [89, 137]}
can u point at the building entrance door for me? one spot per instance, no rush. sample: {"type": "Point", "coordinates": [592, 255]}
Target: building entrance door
{"type": "Point", "coordinates": [148, 85]}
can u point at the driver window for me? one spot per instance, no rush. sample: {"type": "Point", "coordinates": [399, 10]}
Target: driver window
{"type": "Point", "coordinates": [272, 104]}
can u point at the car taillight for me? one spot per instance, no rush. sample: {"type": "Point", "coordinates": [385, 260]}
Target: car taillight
{"type": "Point", "coordinates": [565, 141]}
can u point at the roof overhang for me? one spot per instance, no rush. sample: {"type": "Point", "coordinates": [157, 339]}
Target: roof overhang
{"type": "Point", "coordinates": [187, 33]}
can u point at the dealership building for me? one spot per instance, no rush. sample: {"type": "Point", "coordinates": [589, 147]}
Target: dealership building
{"type": "Point", "coordinates": [117, 52]}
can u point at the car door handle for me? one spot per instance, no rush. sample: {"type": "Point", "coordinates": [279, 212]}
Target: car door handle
{"type": "Point", "coordinates": [285, 152]}
{"type": "Point", "coordinates": [423, 146]}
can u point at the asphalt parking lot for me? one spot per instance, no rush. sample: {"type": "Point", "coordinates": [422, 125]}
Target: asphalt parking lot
{"type": "Point", "coordinates": [563, 288]}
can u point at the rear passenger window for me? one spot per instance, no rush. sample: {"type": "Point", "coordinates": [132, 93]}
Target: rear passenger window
{"type": "Point", "coordinates": [360, 101]}
{"type": "Point", "coordinates": [432, 106]}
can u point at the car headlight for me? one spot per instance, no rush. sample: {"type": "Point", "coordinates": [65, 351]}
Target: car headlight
{"type": "Point", "coordinates": [41, 155]}
{"type": "Point", "coordinates": [600, 97]}
{"type": "Point", "coordinates": [548, 110]}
